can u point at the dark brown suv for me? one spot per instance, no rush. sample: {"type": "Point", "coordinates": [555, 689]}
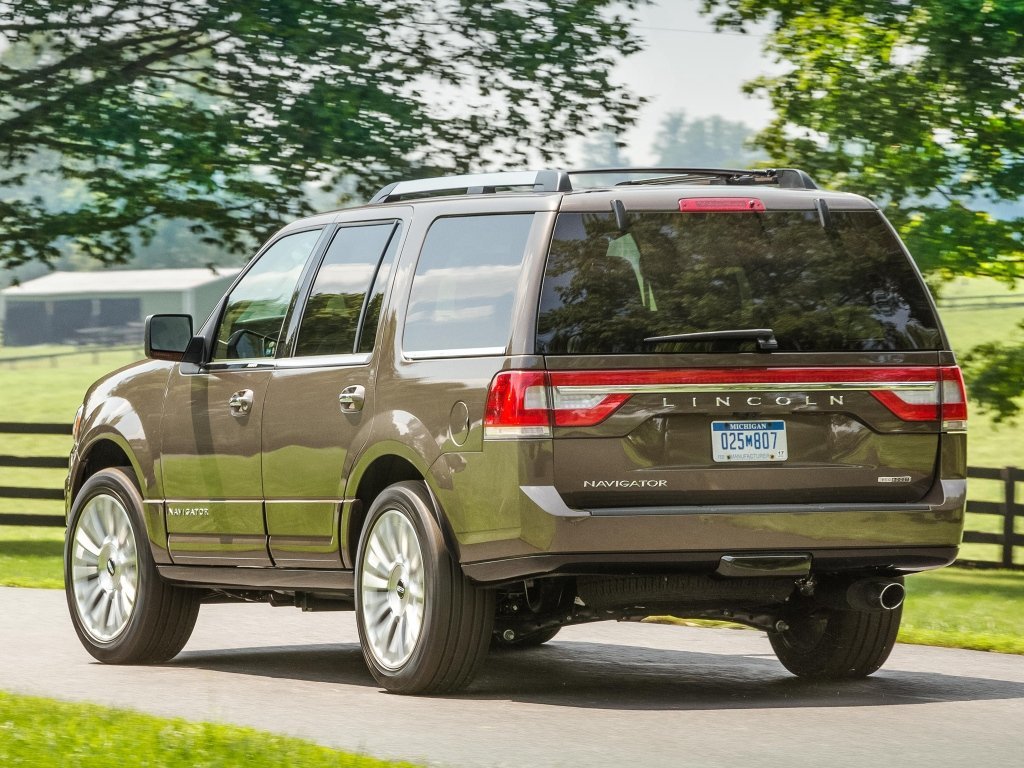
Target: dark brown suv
{"type": "Point", "coordinates": [482, 407]}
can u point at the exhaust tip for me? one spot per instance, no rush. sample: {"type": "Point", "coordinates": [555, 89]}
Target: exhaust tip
{"type": "Point", "coordinates": [892, 595]}
{"type": "Point", "coordinates": [875, 595]}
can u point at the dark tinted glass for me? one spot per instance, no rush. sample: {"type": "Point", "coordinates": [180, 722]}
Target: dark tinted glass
{"type": "Point", "coordinates": [330, 320]}
{"type": "Point", "coordinates": [371, 316]}
{"type": "Point", "coordinates": [848, 289]}
{"type": "Point", "coordinates": [251, 324]}
{"type": "Point", "coordinates": [465, 283]}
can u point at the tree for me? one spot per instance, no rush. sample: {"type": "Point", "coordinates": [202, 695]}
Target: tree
{"type": "Point", "coordinates": [222, 113]}
{"type": "Point", "coordinates": [710, 142]}
{"type": "Point", "coordinates": [917, 105]}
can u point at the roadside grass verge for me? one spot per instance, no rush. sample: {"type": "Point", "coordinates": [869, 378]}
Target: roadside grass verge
{"type": "Point", "coordinates": [964, 608]}
{"type": "Point", "coordinates": [45, 732]}
{"type": "Point", "coordinates": [31, 557]}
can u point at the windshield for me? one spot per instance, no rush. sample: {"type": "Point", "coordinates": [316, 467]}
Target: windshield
{"type": "Point", "coordinates": [848, 288]}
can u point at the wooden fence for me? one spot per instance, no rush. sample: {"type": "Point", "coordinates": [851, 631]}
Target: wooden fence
{"type": "Point", "coordinates": [1008, 510]}
{"type": "Point", "coordinates": [32, 462]}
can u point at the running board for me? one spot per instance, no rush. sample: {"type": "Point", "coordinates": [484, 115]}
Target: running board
{"type": "Point", "coordinates": [286, 579]}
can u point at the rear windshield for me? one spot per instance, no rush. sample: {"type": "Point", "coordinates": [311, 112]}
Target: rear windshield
{"type": "Point", "coordinates": [848, 288]}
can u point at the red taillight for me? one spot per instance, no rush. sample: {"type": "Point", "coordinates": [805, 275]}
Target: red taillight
{"type": "Point", "coordinates": [719, 204]}
{"type": "Point", "coordinates": [942, 399]}
{"type": "Point", "coordinates": [574, 408]}
{"type": "Point", "coordinates": [530, 403]}
{"type": "Point", "coordinates": [517, 406]}
{"type": "Point", "coordinates": [954, 399]}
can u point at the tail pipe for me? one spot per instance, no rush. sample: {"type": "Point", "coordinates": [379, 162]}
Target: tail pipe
{"type": "Point", "coordinates": [875, 595]}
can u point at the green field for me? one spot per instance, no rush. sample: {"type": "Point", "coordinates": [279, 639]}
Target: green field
{"type": "Point", "coordinates": [38, 732]}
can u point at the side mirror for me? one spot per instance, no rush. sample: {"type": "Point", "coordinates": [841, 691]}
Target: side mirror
{"type": "Point", "coordinates": [168, 336]}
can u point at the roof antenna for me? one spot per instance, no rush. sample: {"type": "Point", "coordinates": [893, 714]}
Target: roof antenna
{"type": "Point", "coordinates": [621, 221]}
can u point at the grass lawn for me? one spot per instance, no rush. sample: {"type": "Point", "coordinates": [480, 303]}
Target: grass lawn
{"type": "Point", "coordinates": [961, 608]}
{"type": "Point", "coordinates": [31, 557]}
{"type": "Point", "coordinates": [44, 732]}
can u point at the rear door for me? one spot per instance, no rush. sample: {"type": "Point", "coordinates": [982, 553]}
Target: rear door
{"type": "Point", "coordinates": [320, 398]}
{"type": "Point", "coordinates": [717, 354]}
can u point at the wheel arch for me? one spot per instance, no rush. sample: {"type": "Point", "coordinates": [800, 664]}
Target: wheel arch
{"type": "Point", "coordinates": [103, 452]}
{"type": "Point", "coordinates": [376, 470]}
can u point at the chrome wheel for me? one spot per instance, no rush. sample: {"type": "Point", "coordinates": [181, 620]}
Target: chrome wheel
{"type": "Point", "coordinates": [392, 589]}
{"type": "Point", "coordinates": [104, 568]}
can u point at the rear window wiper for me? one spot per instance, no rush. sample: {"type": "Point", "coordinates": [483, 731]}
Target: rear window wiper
{"type": "Point", "coordinates": [765, 337]}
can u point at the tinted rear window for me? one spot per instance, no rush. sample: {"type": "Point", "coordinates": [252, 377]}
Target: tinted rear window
{"type": "Point", "coordinates": [847, 289]}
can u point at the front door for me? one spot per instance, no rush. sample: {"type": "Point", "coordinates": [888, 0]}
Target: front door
{"type": "Point", "coordinates": [212, 438]}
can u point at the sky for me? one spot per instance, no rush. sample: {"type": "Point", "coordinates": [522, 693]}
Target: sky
{"type": "Point", "coordinates": [687, 66]}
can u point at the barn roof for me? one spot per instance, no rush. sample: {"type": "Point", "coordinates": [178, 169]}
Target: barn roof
{"type": "Point", "coordinates": [117, 281]}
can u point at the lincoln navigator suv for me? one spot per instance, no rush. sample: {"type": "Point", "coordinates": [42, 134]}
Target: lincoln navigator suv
{"type": "Point", "coordinates": [480, 408]}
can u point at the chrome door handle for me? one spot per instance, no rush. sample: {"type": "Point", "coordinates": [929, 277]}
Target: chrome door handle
{"type": "Point", "coordinates": [240, 403]}
{"type": "Point", "coordinates": [352, 399]}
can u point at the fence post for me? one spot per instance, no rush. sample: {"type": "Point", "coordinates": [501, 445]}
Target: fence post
{"type": "Point", "coordinates": [1007, 474]}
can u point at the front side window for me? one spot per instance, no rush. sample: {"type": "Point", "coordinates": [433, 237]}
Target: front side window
{"type": "Point", "coordinates": [254, 314]}
{"type": "Point", "coordinates": [465, 283]}
{"type": "Point", "coordinates": [330, 321]}
{"type": "Point", "coordinates": [847, 289]}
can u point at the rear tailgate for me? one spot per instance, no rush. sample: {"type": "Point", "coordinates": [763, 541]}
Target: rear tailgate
{"type": "Point", "coordinates": [711, 354]}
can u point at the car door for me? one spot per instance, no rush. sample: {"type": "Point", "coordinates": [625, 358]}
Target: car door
{"type": "Point", "coordinates": [210, 457]}
{"type": "Point", "coordinates": [320, 398]}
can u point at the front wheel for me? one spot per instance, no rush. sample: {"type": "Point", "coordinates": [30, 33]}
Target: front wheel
{"type": "Point", "coordinates": [833, 644]}
{"type": "Point", "coordinates": [123, 612]}
{"type": "Point", "coordinates": [423, 626]}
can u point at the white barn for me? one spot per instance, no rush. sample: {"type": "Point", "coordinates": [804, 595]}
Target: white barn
{"type": "Point", "coordinates": [107, 306]}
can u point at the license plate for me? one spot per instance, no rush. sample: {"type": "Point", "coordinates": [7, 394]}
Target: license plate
{"type": "Point", "coordinates": [748, 441]}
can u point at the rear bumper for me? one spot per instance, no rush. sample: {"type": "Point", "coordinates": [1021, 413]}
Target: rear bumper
{"type": "Point", "coordinates": [888, 561]}
{"type": "Point", "coordinates": [530, 532]}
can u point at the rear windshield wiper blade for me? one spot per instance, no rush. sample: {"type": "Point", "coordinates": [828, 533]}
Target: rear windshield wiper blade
{"type": "Point", "coordinates": [765, 337]}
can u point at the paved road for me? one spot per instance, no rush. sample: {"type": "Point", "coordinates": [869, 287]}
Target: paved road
{"type": "Point", "coordinates": [599, 695]}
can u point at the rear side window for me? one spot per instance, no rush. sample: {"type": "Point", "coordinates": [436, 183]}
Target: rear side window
{"type": "Point", "coordinates": [465, 284]}
{"type": "Point", "coordinates": [850, 288]}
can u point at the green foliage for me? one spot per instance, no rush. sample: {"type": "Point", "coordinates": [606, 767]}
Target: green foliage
{"type": "Point", "coordinates": [45, 732]}
{"type": "Point", "coordinates": [919, 106]}
{"type": "Point", "coordinates": [915, 104]}
{"type": "Point", "coordinates": [996, 373]}
{"type": "Point", "coordinates": [222, 114]}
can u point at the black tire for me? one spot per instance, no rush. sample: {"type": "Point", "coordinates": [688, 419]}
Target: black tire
{"type": "Point", "coordinates": [123, 612]}
{"type": "Point", "coordinates": [834, 645]}
{"type": "Point", "coordinates": [525, 641]}
{"type": "Point", "coordinates": [423, 626]}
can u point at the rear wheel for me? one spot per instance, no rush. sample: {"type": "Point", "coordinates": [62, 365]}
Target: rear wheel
{"type": "Point", "coordinates": [836, 644]}
{"type": "Point", "coordinates": [123, 612]}
{"type": "Point", "coordinates": [423, 626]}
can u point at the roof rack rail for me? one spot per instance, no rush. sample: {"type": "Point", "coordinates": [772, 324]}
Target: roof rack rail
{"type": "Point", "coordinates": [787, 178]}
{"type": "Point", "coordinates": [475, 184]}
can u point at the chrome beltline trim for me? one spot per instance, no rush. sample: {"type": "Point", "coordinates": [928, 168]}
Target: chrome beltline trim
{"type": "Point", "coordinates": [254, 501]}
{"type": "Point", "coordinates": [847, 386]}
